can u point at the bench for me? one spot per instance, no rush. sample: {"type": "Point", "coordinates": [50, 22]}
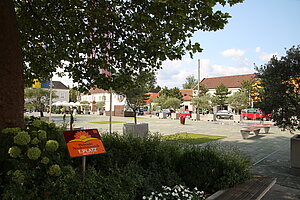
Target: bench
{"type": "Point", "coordinates": [245, 131]}
{"type": "Point", "coordinates": [254, 188]}
{"type": "Point", "coordinates": [265, 126]}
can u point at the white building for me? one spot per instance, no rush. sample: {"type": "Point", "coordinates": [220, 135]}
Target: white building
{"type": "Point", "coordinates": [233, 83]}
{"type": "Point", "coordinates": [61, 91]}
{"type": "Point", "coordinates": [100, 95]}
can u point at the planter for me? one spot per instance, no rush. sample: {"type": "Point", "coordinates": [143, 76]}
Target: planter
{"type": "Point", "coordinates": [136, 130]}
{"type": "Point", "coordinates": [295, 158]}
{"type": "Point", "coordinates": [182, 120]}
{"type": "Point", "coordinates": [174, 115]}
{"type": "Point", "coordinates": [162, 116]}
{"type": "Point", "coordinates": [194, 117]}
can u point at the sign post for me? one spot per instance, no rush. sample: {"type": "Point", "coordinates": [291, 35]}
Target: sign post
{"type": "Point", "coordinates": [82, 143]}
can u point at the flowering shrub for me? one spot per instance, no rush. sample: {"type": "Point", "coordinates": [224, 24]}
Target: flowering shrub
{"type": "Point", "coordinates": [51, 145]}
{"type": "Point", "coordinates": [34, 153]}
{"type": "Point", "coordinates": [54, 170]}
{"type": "Point", "coordinates": [14, 152]}
{"type": "Point", "coordinates": [18, 177]}
{"type": "Point", "coordinates": [45, 160]}
{"type": "Point", "coordinates": [177, 192]}
{"type": "Point", "coordinates": [22, 138]}
{"type": "Point", "coordinates": [42, 135]}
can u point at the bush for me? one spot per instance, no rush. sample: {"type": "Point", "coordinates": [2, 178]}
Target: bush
{"type": "Point", "coordinates": [131, 168]}
{"type": "Point", "coordinates": [30, 159]}
{"type": "Point", "coordinates": [213, 168]}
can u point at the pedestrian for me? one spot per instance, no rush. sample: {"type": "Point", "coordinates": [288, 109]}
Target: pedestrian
{"type": "Point", "coordinates": [74, 113]}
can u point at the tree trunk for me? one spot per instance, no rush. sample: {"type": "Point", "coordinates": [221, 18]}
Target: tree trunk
{"type": "Point", "coordinates": [11, 69]}
{"type": "Point", "coordinates": [134, 114]}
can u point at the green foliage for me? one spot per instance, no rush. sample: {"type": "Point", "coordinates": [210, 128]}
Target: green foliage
{"type": "Point", "coordinates": [34, 153]}
{"type": "Point", "coordinates": [38, 97]}
{"type": "Point", "coordinates": [26, 160]}
{"type": "Point", "coordinates": [239, 100]}
{"type": "Point", "coordinates": [73, 95]}
{"type": "Point", "coordinates": [54, 170]}
{"type": "Point", "coordinates": [213, 167]}
{"type": "Point", "coordinates": [202, 102]}
{"type": "Point", "coordinates": [191, 138]}
{"type": "Point", "coordinates": [172, 92]}
{"type": "Point", "coordinates": [14, 152]}
{"type": "Point", "coordinates": [202, 90]}
{"type": "Point", "coordinates": [221, 95]}
{"type": "Point", "coordinates": [122, 36]}
{"type": "Point", "coordinates": [22, 138]}
{"type": "Point", "coordinates": [172, 103]}
{"type": "Point", "coordinates": [280, 94]}
{"type": "Point", "coordinates": [134, 88]}
{"type": "Point", "coordinates": [131, 168]}
{"type": "Point", "coordinates": [51, 145]}
{"type": "Point", "coordinates": [190, 83]}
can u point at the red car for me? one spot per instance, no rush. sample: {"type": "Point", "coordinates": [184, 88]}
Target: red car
{"type": "Point", "coordinates": [185, 113]}
{"type": "Point", "coordinates": [254, 113]}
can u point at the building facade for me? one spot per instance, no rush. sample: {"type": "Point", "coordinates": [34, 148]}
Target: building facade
{"type": "Point", "coordinates": [99, 95]}
{"type": "Point", "coordinates": [233, 83]}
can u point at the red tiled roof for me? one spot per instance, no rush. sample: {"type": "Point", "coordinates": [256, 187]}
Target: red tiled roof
{"type": "Point", "coordinates": [97, 90]}
{"type": "Point", "coordinates": [187, 94]}
{"type": "Point", "coordinates": [228, 81]}
{"type": "Point", "coordinates": [151, 97]}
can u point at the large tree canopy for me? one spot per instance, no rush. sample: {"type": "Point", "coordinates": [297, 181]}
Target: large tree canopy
{"type": "Point", "coordinates": [119, 36]}
{"type": "Point", "coordinates": [280, 93]}
{"type": "Point", "coordinates": [83, 37]}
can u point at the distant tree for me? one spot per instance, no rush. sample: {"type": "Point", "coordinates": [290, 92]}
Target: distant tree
{"type": "Point", "coordinates": [248, 87]}
{"type": "Point", "coordinates": [135, 89]}
{"type": "Point", "coordinates": [239, 100]}
{"type": "Point", "coordinates": [202, 102]}
{"type": "Point", "coordinates": [160, 101]}
{"type": "Point", "coordinates": [280, 89]}
{"type": "Point", "coordinates": [172, 103]}
{"type": "Point", "coordinates": [190, 83]}
{"type": "Point", "coordinates": [73, 97]}
{"type": "Point", "coordinates": [172, 92]}
{"type": "Point", "coordinates": [221, 95]}
{"type": "Point", "coordinates": [202, 89]}
{"type": "Point", "coordinates": [100, 106]}
{"type": "Point", "coordinates": [38, 97]}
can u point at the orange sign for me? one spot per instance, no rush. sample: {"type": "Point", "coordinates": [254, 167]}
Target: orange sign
{"type": "Point", "coordinates": [84, 142]}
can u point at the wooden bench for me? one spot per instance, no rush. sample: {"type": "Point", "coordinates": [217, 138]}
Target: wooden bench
{"type": "Point", "coordinates": [254, 188]}
{"type": "Point", "coordinates": [245, 131]}
{"type": "Point", "coordinates": [265, 126]}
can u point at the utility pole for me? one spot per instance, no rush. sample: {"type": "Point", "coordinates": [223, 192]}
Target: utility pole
{"type": "Point", "coordinates": [50, 100]}
{"type": "Point", "coordinates": [110, 109]}
{"type": "Point", "coordinates": [198, 94]}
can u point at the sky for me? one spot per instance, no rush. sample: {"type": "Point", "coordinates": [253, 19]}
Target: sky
{"type": "Point", "coordinates": [257, 30]}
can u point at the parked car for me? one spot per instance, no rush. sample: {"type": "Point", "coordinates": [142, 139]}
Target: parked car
{"type": "Point", "coordinates": [139, 112]}
{"type": "Point", "coordinates": [167, 111]}
{"type": "Point", "coordinates": [185, 113]}
{"type": "Point", "coordinates": [254, 113]}
{"type": "Point", "coordinates": [224, 114]}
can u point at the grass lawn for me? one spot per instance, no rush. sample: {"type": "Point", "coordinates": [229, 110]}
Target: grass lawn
{"type": "Point", "coordinates": [191, 138]}
{"type": "Point", "coordinates": [107, 122]}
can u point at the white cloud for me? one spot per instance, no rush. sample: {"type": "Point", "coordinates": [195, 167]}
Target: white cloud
{"type": "Point", "coordinates": [258, 49]}
{"type": "Point", "coordinates": [174, 73]}
{"type": "Point", "coordinates": [266, 57]}
{"type": "Point", "coordinates": [222, 70]}
{"type": "Point", "coordinates": [233, 53]}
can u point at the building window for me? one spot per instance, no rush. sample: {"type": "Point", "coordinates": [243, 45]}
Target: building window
{"type": "Point", "coordinates": [104, 98]}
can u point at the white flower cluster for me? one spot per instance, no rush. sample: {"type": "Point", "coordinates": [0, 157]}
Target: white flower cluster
{"type": "Point", "coordinates": [178, 192]}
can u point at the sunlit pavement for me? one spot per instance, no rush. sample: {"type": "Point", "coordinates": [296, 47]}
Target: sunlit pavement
{"type": "Point", "coordinates": [269, 153]}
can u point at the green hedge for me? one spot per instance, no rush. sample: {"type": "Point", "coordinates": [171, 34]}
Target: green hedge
{"type": "Point", "coordinates": [36, 165]}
